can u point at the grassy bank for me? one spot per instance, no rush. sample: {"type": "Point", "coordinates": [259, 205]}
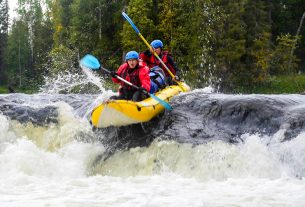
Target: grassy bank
{"type": "Point", "coordinates": [281, 85]}
{"type": "Point", "coordinates": [274, 85]}
{"type": "Point", "coordinates": [4, 89]}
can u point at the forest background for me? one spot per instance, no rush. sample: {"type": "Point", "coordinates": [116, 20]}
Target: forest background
{"type": "Point", "coordinates": [236, 46]}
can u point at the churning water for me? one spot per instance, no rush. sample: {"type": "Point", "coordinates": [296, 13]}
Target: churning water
{"type": "Point", "coordinates": [225, 150]}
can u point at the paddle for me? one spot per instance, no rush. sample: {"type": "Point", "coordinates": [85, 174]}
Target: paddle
{"type": "Point", "coordinates": [151, 48]}
{"type": "Point", "coordinates": [91, 62]}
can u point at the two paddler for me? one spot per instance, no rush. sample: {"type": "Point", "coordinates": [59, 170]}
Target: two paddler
{"type": "Point", "coordinates": [146, 72]}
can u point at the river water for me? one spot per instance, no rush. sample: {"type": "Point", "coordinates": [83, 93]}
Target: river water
{"type": "Point", "coordinates": [53, 161]}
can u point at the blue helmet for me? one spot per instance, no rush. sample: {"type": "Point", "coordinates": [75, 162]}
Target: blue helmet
{"type": "Point", "coordinates": [157, 43]}
{"type": "Point", "coordinates": [132, 55]}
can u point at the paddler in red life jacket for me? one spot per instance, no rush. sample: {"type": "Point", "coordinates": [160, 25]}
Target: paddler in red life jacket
{"type": "Point", "coordinates": [134, 72]}
{"type": "Point", "coordinates": [165, 56]}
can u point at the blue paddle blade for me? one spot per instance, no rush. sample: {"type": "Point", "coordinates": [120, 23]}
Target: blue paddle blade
{"type": "Point", "coordinates": [89, 61]}
{"type": "Point", "coordinates": [163, 103]}
{"type": "Point", "coordinates": [130, 22]}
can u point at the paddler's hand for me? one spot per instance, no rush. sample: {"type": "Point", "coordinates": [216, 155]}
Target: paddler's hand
{"type": "Point", "coordinates": [113, 74]}
{"type": "Point", "coordinates": [152, 50]}
{"type": "Point", "coordinates": [142, 89]}
{"type": "Point", "coordinates": [177, 76]}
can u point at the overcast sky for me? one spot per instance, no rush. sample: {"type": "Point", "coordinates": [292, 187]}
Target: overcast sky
{"type": "Point", "coordinates": [12, 5]}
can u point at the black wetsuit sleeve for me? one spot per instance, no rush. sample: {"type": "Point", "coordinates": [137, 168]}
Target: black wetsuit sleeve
{"type": "Point", "coordinates": [171, 61]}
{"type": "Point", "coordinates": [147, 53]}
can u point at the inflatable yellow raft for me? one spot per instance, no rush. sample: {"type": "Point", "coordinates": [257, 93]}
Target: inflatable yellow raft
{"type": "Point", "coordinates": [125, 112]}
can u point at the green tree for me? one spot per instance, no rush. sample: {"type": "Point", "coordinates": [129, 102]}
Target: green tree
{"type": "Point", "coordinates": [185, 29]}
{"type": "Point", "coordinates": [230, 44]}
{"type": "Point", "coordinates": [60, 12]}
{"type": "Point", "coordinates": [242, 42]}
{"type": "Point", "coordinates": [3, 38]}
{"type": "Point", "coordinates": [261, 53]}
{"type": "Point", "coordinates": [178, 30]}
{"type": "Point", "coordinates": [19, 53]}
{"type": "Point", "coordinates": [140, 11]}
{"type": "Point", "coordinates": [258, 41]}
{"type": "Point", "coordinates": [42, 42]}
{"type": "Point", "coordinates": [188, 28]}
{"type": "Point", "coordinates": [34, 39]}
{"type": "Point", "coordinates": [95, 26]}
{"type": "Point", "coordinates": [286, 16]}
{"type": "Point", "coordinates": [283, 62]}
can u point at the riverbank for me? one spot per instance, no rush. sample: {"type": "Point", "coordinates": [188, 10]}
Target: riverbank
{"type": "Point", "coordinates": [294, 84]}
{"type": "Point", "coordinates": [6, 89]}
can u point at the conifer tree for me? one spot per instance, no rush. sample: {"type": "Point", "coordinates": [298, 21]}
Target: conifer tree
{"type": "Point", "coordinates": [258, 42]}
{"type": "Point", "coordinates": [230, 44]}
{"type": "Point", "coordinates": [4, 16]}
{"type": "Point", "coordinates": [18, 55]}
{"type": "Point", "coordinates": [94, 27]}
{"type": "Point", "coordinates": [60, 12]}
{"type": "Point", "coordinates": [286, 16]}
{"type": "Point", "coordinates": [33, 40]}
{"type": "Point", "coordinates": [140, 11]}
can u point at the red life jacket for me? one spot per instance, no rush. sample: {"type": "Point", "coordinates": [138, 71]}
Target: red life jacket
{"type": "Point", "coordinates": [153, 61]}
{"type": "Point", "coordinates": [138, 76]}
{"type": "Point", "coordinates": [131, 75]}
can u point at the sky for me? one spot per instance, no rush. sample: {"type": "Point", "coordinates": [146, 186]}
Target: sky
{"type": "Point", "coordinates": [12, 5]}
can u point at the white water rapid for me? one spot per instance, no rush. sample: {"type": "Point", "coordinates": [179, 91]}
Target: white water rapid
{"type": "Point", "coordinates": [54, 163]}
